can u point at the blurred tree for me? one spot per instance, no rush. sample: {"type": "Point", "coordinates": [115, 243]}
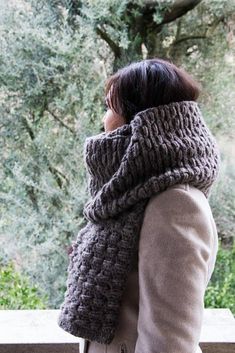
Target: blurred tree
{"type": "Point", "coordinates": [197, 35]}
{"type": "Point", "coordinates": [123, 25]}
{"type": "Point", "coordinates": [51, 92]}
{"type": "Point", "coordinates": [55, 56]}
{"type": "Point", "coordinates": [16, 292]}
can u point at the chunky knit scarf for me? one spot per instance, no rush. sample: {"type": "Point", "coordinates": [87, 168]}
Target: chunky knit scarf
{"type": "Point", "coordinates": [161, 146]}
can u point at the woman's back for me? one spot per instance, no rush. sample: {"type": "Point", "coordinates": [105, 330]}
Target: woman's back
{"type": "Point", "coordinates": [162, 306]}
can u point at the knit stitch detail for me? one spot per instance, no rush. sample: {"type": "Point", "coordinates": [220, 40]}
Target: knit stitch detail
{"type": "Point", "coordinates": [160, 147]}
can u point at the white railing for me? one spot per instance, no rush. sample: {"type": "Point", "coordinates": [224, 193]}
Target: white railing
{"type": "Point", "coordinates": [36, 331]}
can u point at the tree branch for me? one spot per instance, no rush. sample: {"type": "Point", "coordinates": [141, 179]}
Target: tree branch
{"type": "Point", "coordinates": [178, 9]}
{"type": "Point", "coordinates": [214, 24]}
{"type": "Point", "coordinates": [57, 174]}
{"type": "Point", "coordinates": [60, 121]}
{"type": "Point", "coordinates": [32, 195]}
{"type": "Point", "coordinates": [28, 127]}
{"type": "Point", "coordinates": [62, 174]}
{"type": "Point", "coordinates": [178, 31]}
{"type": "Point", "coordinates": [114, 47]}
{"type": "Point", "coordinates": [188, 38]}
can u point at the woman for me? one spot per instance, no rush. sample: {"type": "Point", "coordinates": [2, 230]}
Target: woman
{"type": "Point", "coordinates": [149, 249]}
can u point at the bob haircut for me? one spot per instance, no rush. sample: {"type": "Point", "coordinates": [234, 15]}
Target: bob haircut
{"type": "Point", "coordinates": [146, 84]}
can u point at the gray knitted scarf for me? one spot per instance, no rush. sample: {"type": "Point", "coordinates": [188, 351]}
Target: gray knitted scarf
{"type": "Point", "coordinates": [161, 146]}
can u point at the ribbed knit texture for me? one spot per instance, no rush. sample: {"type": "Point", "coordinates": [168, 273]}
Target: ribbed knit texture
{"type": "Point", "coordinates": [161, 146]}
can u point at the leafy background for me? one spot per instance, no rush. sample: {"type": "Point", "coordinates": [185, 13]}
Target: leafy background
{"type": "Point", "coordinates": [55, 57]}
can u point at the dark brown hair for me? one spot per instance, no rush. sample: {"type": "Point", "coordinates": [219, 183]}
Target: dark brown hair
{"type": "Point", "coordinates": [148, 83]}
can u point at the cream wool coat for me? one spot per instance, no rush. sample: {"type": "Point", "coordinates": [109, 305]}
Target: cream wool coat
{"type": "Point", "coordinates": [163, 302]}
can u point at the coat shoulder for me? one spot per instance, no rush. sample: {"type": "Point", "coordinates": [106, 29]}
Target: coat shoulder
{"type": "Point", "coordinates": [181, 209]}
{"type": "Point", "coordinates": [178, 199]}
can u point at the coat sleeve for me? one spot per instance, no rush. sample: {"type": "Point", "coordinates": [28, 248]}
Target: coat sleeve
{"type": "Point", "coordinates": [176, 241]}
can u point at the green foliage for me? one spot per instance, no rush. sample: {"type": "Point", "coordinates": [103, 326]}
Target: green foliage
{"type": "Point", "coordinates": [55, 57]}
{"type": "Point", "coordinates": [51, 99]}
{"type": "Point", "coordinates": [160, 9]}
{"type": "Point", "coordinates": [203, 43]}
{"type": "Point", "coordinates": [220, 292]}
{"type": "Point", "coordinates": [16, 291]}
{"type": "Point", "coordinates": [222, 199]}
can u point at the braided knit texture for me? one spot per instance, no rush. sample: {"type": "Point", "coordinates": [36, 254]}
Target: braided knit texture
{"type": "Point", "coordinates": [161, 146]}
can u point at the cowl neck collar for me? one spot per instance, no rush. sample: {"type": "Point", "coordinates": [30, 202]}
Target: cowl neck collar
{"type": "Point", "coordinates": [161, 146]}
